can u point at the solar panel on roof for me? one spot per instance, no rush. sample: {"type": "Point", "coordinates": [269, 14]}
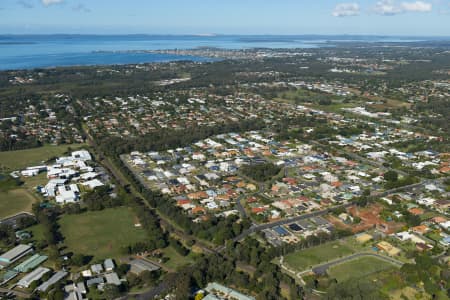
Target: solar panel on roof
{"type": "Point", "coordinates": [281, 230]}
{"type": "Point", "coordinates": [295, 227]}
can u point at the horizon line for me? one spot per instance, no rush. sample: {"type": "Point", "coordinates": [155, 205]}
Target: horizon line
{"type": "Point", "coordinates": [225, 34]}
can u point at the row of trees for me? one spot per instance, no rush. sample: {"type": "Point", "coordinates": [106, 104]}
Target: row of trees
{"type": "Point", "coordinates": [150, 222]}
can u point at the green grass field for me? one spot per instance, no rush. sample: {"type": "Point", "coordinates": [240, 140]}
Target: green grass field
{"type": "Point", "coordinates": [15, 201]}
{"type": "Point", "coordinates": [176, 260]}
{"type": "Point", "coordinates": [32, 182]}
{"type": "Point", "coordinates": [358, 268]}
{"type": "Point", "coordinates": [20, 159]}
{"type": "Point", "coordinates": [19, 198]}
{"type": "Point", "coordinates": [101, 234]}
{"type": "Point", "coordinates": [307, 258]}
{"type": "Point", "coordinates": [37, 231]}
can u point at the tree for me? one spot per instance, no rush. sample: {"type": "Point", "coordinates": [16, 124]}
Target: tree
{"type": "Point", "coordinates": [111, 291]}
{"type": "Point", "coordinates": [391, 176]}
{"type": "Point", "coordinates": [56, 295]}
{"type": "Point", "coordinates": [79, 260]}
{"type": "Point", "coordinates": [122, 269]}
{"type": "Point", "coordinates": [261, 172]}
{"type": "Point", "coordinates": [183, 289]}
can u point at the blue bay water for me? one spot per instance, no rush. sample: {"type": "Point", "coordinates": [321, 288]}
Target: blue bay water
{"type": "Point", "coordinates": [40, 51]}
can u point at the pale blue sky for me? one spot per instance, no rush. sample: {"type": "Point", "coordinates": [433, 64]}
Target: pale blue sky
{"type": "Point", "coordinates": [385, 17]}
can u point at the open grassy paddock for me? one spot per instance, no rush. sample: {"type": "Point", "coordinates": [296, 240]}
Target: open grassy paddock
{"type": "Point", "coordinates": [20, 159]}
{"type": "Point", "coordinates": [101, 234]}
{"type": "Point", "coordinates": [304, 259]}
{"type": "Point", "coordinates": [175, 259]}
{"type": "Point", "coordinates": [358, 268]}
{"type": "Point", "coordinates": [15, 201]}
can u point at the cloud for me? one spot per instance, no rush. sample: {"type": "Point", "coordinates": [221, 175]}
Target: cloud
{"type": "Point", "coordinates": [25, 4]}
{"type": "Point", "coordinates": [81, 8]}
{"type": "Point", "coordinates": [346, 10]}
{"type": "Point", "coordinates": [418, 6]}
{"type": "Point", "coordinates": [386, 8]}
{"type": "Point", "coordinates": [51, 2]}
{"type": "Point", "coordinates": [391, 7]}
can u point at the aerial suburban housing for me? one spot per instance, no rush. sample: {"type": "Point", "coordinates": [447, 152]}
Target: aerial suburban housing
{"type": "Point", "coordinates": [304, 156]}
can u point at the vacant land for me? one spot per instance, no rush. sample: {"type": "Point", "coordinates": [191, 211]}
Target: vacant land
{"type": "Point", "coordinates": [20, 159]}
{"type": "Point", "coordinates": [15, 201]}
{"type": "Point", "coordinates": [16, 197]}
{"type": "Point", "coordinates": [175, 259]}
{"type": "Point", "coordinates": [358, 268]}
{"type": "Point", "coordinates": [307, 258]}
{"type": "Point", "coordinates": [101, 234]}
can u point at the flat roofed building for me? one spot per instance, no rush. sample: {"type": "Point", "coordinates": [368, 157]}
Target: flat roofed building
{"type": "Point", "coordinates": [80, 288]}
{"type": "Point", "coordinates": [109, 264]}
{"type": "Point", "coordinates": [52, 280]}
{"type": "Point", "coordinates": [112, 278]}
{"type": "Point", "coordinates": [14, 254]}
{"type": "Point", "coordinates": [95, 281]}
{"type": "Point", "coordinates": [33, 276]}
{"type": "Point", "coordinates": [82, 155]}
{"type": "Point", "coordinates": [224, 292]}
{"type": "Point", "coordinates": [97, 268]}
{"type": "Point", "coordinates": [30, 263]}
{"type": "Point", "coordinates": [363, 238]}
{"type": "Point", "coordinates": [138, 266]}
{"type": "Point", "coordinates": [73, 295]}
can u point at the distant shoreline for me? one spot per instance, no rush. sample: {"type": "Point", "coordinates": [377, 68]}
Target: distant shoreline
{"type": "Point", "coordinates": [63, 50]}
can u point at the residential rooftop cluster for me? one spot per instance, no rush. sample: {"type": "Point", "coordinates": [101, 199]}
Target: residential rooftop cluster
{"type": "Point", "coordinates": [137, 115]}
{"type": "Point", "coordinates": [205, 177]}
{"type": "Point", "coordinates": [46, 122]}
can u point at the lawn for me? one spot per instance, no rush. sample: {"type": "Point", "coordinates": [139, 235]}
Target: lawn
{"type": "Point", "coordinates": [307, 258]}
{"type": "Point", "coordinates": [101, 234]}
{"type": "Point", "coordinates": [15, 201]}
{"type": "Point", "coordinates": [176, 260]}
{"type": "Point", "coordinates": [37, 232]}
{"type": "Point", "coordinates": [32, 182]}
{"type": "Point", "coordinates": [20, 159]}
{"type": "Point", "coordinates": [358, 268]}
